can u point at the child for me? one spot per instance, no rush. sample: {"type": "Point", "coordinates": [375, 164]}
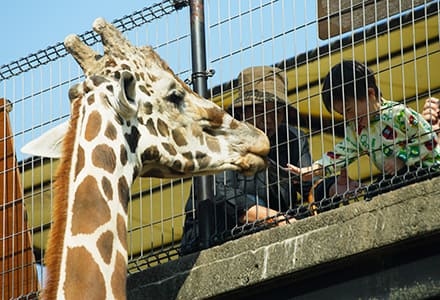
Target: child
{"type": "Point", "coordinates": [393, 135]}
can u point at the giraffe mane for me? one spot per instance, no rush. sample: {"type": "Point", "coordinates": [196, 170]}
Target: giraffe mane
{"type": "Point", "coordinates": [59, 213]}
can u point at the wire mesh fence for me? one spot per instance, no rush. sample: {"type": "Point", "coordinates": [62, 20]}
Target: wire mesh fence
{"type": "Point", "coordinates": [271, 60]}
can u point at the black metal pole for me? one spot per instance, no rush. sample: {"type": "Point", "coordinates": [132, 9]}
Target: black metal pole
{"type": "Point", "coordinates": [203, 185]}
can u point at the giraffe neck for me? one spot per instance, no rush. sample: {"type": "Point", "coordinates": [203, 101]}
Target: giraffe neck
{"type": "Point", "coordinates": [87, 252]}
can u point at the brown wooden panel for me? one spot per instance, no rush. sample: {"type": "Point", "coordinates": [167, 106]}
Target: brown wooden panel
{"type": "Point", "coordinates": [18, 273]}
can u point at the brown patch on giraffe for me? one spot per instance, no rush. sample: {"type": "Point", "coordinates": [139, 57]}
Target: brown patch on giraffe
{"type": "Point", "coordinates": [93, 125]}
{"type": "Point", "coordinates": [144, 90]}
{"type": "Point", "coordinates": [215, 117]}
{"type": "Point", "coordinates": [107, 188]}
{"type": "Point", "coordinates": [118, 280]}
{"type": "Point", "coordinates": [88, 201]}
{"type": "Point", "coordinates": [151, 153]}
{"type": "Point", "coordinates": [109, 88]}
{"type": "Point", "coordinates": [152, 77]}
{"type": "Point", "coordinates": [151, 128]}
{"type": "Point", "coordinates": [212, 144]}
{"type": "Point", "coordinates": [80, 160]}
{"type": "Point", "coordinates": [148, 108]}
{"type": "Point", "coordinates": [169, 148]}
{"type": "Point", "coordinates": [104, 157]}
{"type": "Point", "coordinates": [188, 155]}
{"type": "Point", "coordinates": [110, 62]}
{"type": "Point", "coordinates": [98, 80]}
{"type": "Point", "coordinates": [110, 131]}
{"type": "Point", "coordinates": [105, 246]}
{"type": "Point", "coordinates": [189, 166]}
{"type": "Point", "coordinates": [125, 67]}
{"type": "Point", "coordinates": [162, 127]}
{"type": "Point", "coordinates": [177, 165]}
{"type": "Point", "coordinates": [121, 228]}
{"type": "Point", "coordinates": [123, 155]}
{"type": "Point", "coordinates": [142, 76]}
{"type": "Point", "coordinates": [234, 124]}
{"type": "Point", "coordinates": [84, 279]}
{"type": "Point", "coordinates": [123, 192]}
{"type": "Point", "coordinates": [202, 159]}
{"type": "Point", "coordinates": [91, 99]}
{"type": "Point", "coordinates": [178, 137]}
{"type": "Point", "coordinates": [86, 88]}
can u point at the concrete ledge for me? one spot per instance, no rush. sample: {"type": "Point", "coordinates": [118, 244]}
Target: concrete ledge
{"type": "Point", "coordinates": [262, 259]}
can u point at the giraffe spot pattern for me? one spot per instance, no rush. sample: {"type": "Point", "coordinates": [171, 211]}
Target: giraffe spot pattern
{"type": "Point", "coordinates": [234, 124]}
{"type": "Point", "coordinates": [121, 229]}
{"type": "Point", "coordinates": [151, 128]}
{"type": "Point", "coordinates": [203, 160]}
{"type": "Point", "coordinates": [110, 131]}
{"type": "Point", "coordinates": [80, 161]}
{"type": "Point", "coordinates": [151, 153]}
{"type": "Point", "coordinates": [132, 139]}
{"type": "Point", "coordinates": [89, 200]}
{"type": "Point", "coordinates": [189, 166]}
{"type": "Point", "coordinates": [98, 80]}
{"type": "Point", "coordinates": [110, 63]}
{"type": "Point", "coordinates": [124, 192]}
{"type": "Point", "coordinates": [144, 90]}
{"type": "Point", "coordinates": [212, 144]}
{"type": "Point", "coordinates": [177, 165]}
{"type": "Point", "coordinates": [215, 116]}
{"type": "Point", "coordinates": [107, 188]}
{"type": "Point", "coordinates": [123, 155]}
{"type": "Point", "coordinates": [109, 88]}
{"type": "Point", "coordinates": [83, 277]}
{"type": "Point", "coordinates": [118, 280]}
{"type": "Point", "coordinates": [178, 137]}
{"type": "Point", "coordinates": [169, 148]}
{"type": "Point", "coordinates": [104, 157]}
{"type": "Point", "coordinates": [91, 99]}
{"type": "Point", "coordinates": [93, 126]}
{"type": "Point", "coordinates": [125, 67]}
{"type": "Point", "coordinates": [162, 127]}
{"type": "Point", "coordinates": [105, 246]}
{"type": "Point", "coordinates": [148, 108]}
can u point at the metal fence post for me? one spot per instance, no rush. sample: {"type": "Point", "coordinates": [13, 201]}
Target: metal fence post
{"type": "Point", "coordinates": [203, 185]}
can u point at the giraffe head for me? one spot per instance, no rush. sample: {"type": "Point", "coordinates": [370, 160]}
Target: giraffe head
{"type": "Point", "coordinates": [169, 131]}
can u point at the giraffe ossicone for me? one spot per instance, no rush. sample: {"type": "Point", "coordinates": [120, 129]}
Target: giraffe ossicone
{"type": "Point", "coordinates": [131, 116]}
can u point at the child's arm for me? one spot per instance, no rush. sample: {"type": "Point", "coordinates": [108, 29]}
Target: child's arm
{"type": "Point", "coordinates": [417, 140]}
{"type": "Point", "coordinates": [307, 173]}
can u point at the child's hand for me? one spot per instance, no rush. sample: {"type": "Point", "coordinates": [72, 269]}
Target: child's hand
{"type": "Point", "coordinates": [392, 165]}
{"type": "Point", "coordinates": [431, 112]}
{"type": "Point", "coordinates": [306, 173]}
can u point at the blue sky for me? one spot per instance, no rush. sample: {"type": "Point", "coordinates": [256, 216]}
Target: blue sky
{"type": "Point", "coordinates": [30, 25]}
{"type": "Point", "coordinates": [235, 39]}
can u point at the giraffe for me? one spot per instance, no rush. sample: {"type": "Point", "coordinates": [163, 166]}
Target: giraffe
{"type": "Point", "coordinates": [131, 116]}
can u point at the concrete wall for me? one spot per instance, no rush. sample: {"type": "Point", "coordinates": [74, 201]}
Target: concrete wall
{"type": "Point", "coordinates": [388, 248]}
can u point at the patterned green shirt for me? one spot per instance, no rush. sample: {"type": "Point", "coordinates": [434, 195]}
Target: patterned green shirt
{"type": "Point", "coordinates": [397, 131]}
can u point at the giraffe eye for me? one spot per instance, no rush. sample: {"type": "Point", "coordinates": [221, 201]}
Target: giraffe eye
{"type": "Point", "coordinates": [175, 96]}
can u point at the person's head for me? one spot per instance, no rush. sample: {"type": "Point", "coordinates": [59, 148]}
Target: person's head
{"type": "Point", "coordinates": [350, 89]}
{"type": "Point", "coordinates": [262, 98]}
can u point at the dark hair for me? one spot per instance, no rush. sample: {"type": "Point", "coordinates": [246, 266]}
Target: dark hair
{"type": "Point", "coordinates": [348, 79]}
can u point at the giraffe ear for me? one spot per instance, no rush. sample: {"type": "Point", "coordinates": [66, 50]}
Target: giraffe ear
{"type": "Point", "coordinates": [49, 144]}
{"type": "Point", "coordinates": [127, 105]}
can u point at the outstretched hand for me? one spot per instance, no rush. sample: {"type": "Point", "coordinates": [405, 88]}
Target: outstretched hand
{"type": "Point", "coordinates": [431, 112]}
{"type": "Point", "coordinates": [307, 172]}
